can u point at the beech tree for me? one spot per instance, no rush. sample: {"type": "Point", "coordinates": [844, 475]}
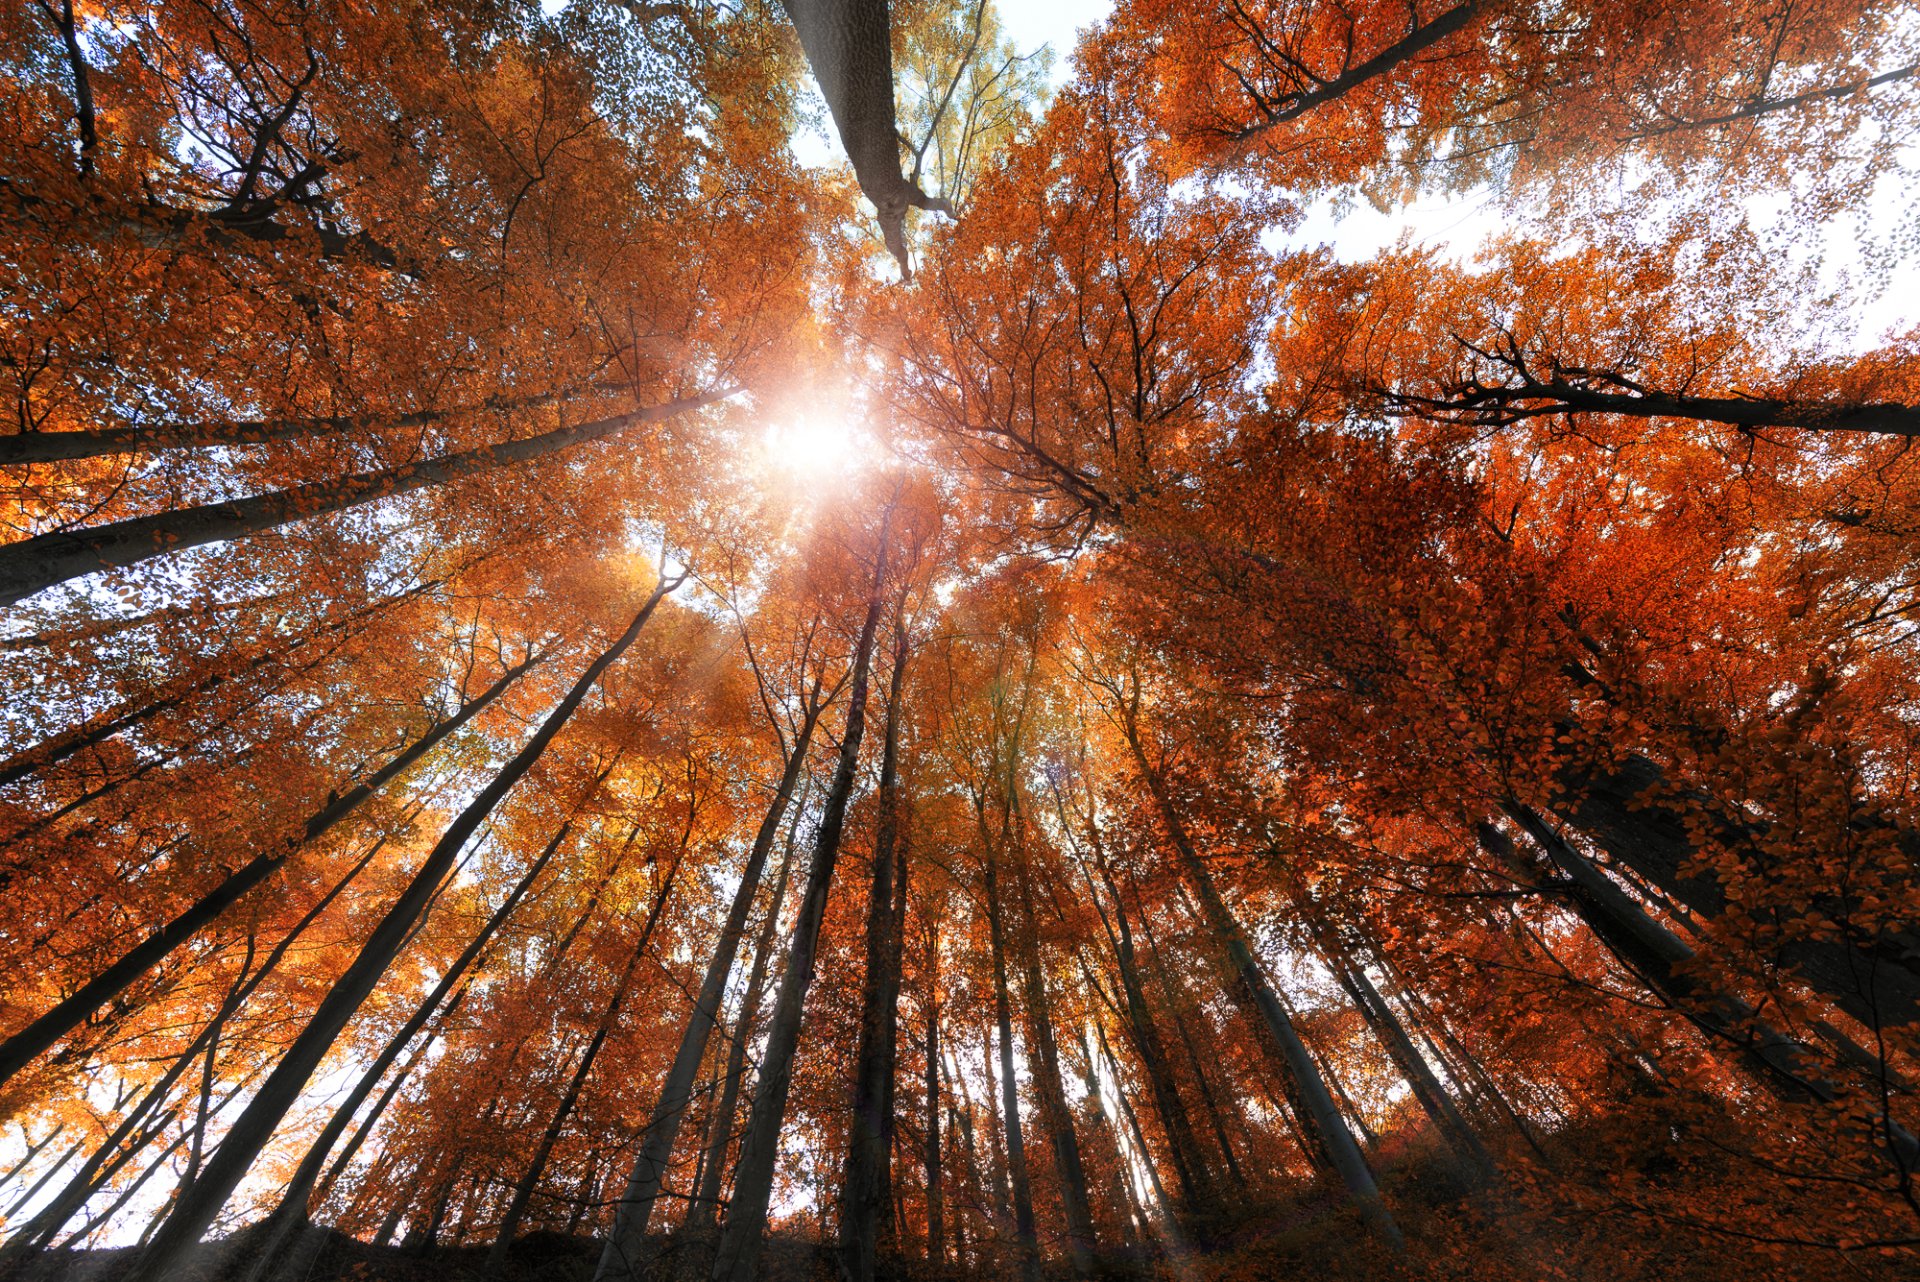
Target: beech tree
{"type": "Point", "coordinates": [564, 715]}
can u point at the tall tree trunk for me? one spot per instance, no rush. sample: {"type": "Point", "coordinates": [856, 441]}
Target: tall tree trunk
{"type": "Point", "coordinates": [85, 1182]}
{"type": "Point", "coordinates": [866, 1181]}
{"type": "Point", "coordinates": [1121, 1192]}
{"type": "Point", "coordinates": [24, 1046]}
{"type": "Point", "coordinates": [35, 564]}
{"type": "Point", "coordinates": [706, 1202]}
{"type": "Point", "coordinates": [1240, 967]}
{"type": "Point", "coordinates": [1179, 1001]}
{"type": "Point", "coordinates": [199, 1205]}
{"type": "Point", "coordinates": [626, 1244]}
{"type": "Point", "coordinates": [58, 447]}
{"type": "Point", "coordinates": [1026, 1234]}
{"type": "Point", "coordinates": [1170, 1226]}
{"type": "Point", "coordinates": [936, 1214]}
{"type": "Point", "coordinates": [738, 1256]}
{"type": "Point", "coordinates": [290, 1214]}
{"type": "Point", "coordinates": [1068, 1167]}
{"type": "Point", "coordinates": [496, 1260]}
{"type": "Point", "coordinates": [1433, 1095]}
{"type": "Point", "coordinates": [1195, 1181]}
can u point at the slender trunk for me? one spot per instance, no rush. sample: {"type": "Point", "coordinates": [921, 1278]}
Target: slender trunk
{"type": "Point", "coordinates": [199, 1205]}
{"type": "Point", "coordinates": [24, 1046]}
{"type": "Point", "coordinates": [290, 1214]}
{"type": "Point", "coordinates": [1068, 1166]}
{"type": "Point", "coordinates": [1169, 1224]}
{"type": "Point", "coordinates": [1179, 1001]}
{"type": "Point", "coordinates": [1121, 1192]}
{"type": "Point", "coordinates": [33, 1151]}
{"type": "Point", "coordinates": [88, 1179]}
{"type": "Point", "coordinates": [626, 1244]}
{"type": "Point", "coordinates": [496, 1260]}
{"type": "Point", "coordinates": [936, 1215]}
{"type": "Point", "coordinates": [706, 1203]}
{"type": "Point", "coordinates": [35, 564]}
{"type": "Point", "coordinates": [1240, 967]}
{"type": "Point", "coordinates": [1195, 1181]}
{"type": "Point", "coordinates": [59, 447]}
{"type": "Point", "coordinates": [738, 1256]}
{"type": "Point", "coordinates": [1433, 1095]}
{"type": "Point", "coordinates": [866, 1178]}
{"type": "Point", "coordinates": [103, 726]}
{"type": "Point", "coordinates": [1026, 1233]}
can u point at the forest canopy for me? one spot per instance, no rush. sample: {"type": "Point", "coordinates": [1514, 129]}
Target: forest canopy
{"type": "Point", "coordinates": [585, 699]}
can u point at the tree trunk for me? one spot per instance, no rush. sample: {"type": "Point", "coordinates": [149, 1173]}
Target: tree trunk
{"type": "Point", "coordinates": [849, 45]}
{"type": "Point", "coordinates": [1026, 1234]}
{"type": "Point", "coordinates": [1179, 1001]}
{"type": "Point", "coordinates": [706, 1202]}
{"type": "Point", "coordinates": [1068, 1167]}
{"type": "Point", "coordinates": [626, 1244]}
{"type": "Point", "coordinates": [22, 1048]}
{"type": "Point", "coordinates": [1630, 811]}
{"type": "Point", "coordinates": [738, 1255]}
{"type": "Point", "coordinates": [57, 447]}
{"type": "Point", "coordinates": [1433, 1095]}
{"type": "Point", "coordinates": [1659, 958]}
{"type": "Point", "coordinates": [496, 1260]}
{"type": "Point", "coordinates": [85, 1182]}
{"type": "Point", "coordinates": [1195, 1181]}
{"type": "Point", "coordinates": [866, 1182]}
{"type": "Point", "coordinates": [200, 1204]}
{"type": "Point", "coordinates": [1241, 967]}
{"type": "Point", "coordinates": [936, 1216]}
{"type": "Point", "coordinates": [290, 1214]}
{"type": "Point", "coordinates": [35, 564]}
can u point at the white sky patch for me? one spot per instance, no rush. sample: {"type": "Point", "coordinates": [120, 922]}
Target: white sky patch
{"type": "Point", "coordinates": [814, 450]}
{"type": "Point", "coordinates": [1055, 23]}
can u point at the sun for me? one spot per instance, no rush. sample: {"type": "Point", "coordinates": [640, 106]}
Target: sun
{"type": "Point", "coordinates": [815, 449]}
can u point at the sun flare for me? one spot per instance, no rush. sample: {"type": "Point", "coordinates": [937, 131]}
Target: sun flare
{"type": "Point", "coordinates": [815, 449]}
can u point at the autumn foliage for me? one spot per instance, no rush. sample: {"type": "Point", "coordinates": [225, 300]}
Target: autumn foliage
{"type": "Point", "coordinates": [565, 718]}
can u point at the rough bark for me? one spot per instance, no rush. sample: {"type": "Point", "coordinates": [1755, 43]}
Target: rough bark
{"type": "Point", "coordinates": [849, 45]}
